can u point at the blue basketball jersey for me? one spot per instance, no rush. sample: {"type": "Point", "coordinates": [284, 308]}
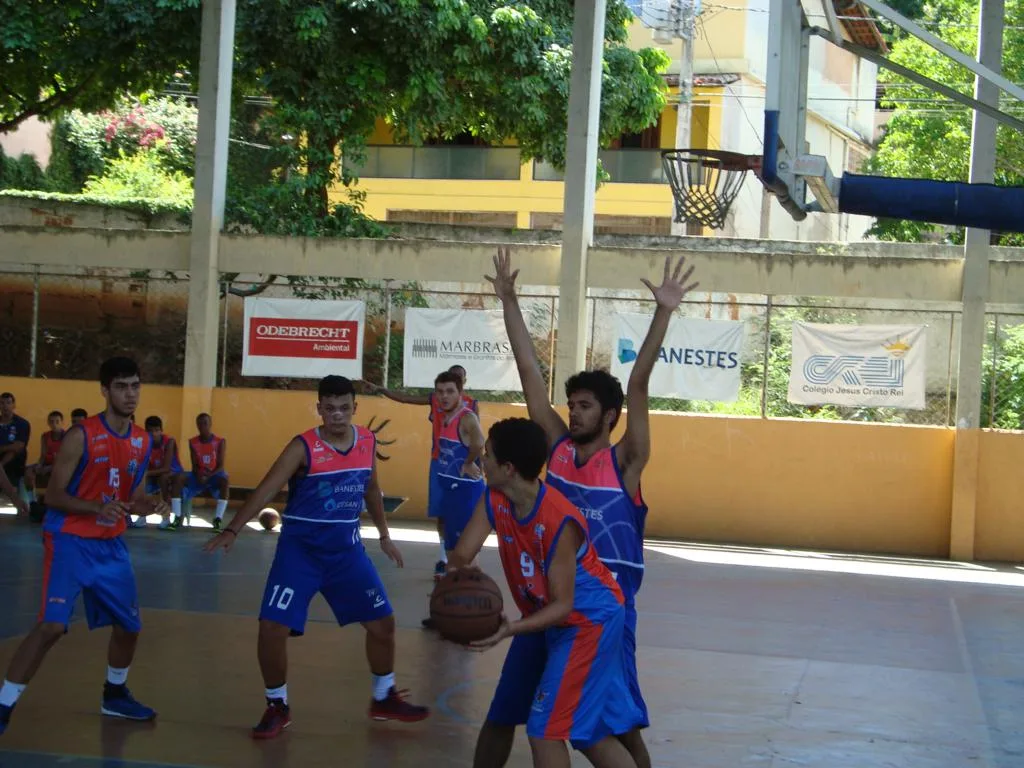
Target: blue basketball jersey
{"type": "Point", "coordinates": [326, 498]}
{"type": "Point", "coordinates": [616, 521]}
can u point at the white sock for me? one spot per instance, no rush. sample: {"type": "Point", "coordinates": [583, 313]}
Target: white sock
{"type": "Point", "coordinates": [278, 693]}
{"type": "Point", "coordinates": [381, 685]}
{"type": "Point", "coordinates": [10, 692]}
{"type": "Point", "coordinates": [444, 552]}
{"type": "Point", "coordinates": [176, 509]}
{"type": "Point", "coordinates": [222, 506]}
{"type": "Point", "coordinates": [117, 676]}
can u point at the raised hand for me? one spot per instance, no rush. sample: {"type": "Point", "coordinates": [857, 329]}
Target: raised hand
{"type": "Point", "coordinates": [504, 280]}
{"type": "Point", "coordinates": [673, 286]}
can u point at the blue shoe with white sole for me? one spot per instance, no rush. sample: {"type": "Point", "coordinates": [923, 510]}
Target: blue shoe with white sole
{"type": "Point", "coordinates": [119, 702]}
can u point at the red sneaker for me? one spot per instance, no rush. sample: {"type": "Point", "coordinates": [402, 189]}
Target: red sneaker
{"type": "Point", "coordinates": [395, 707]}
{"type": "Point", "coordinates": [276, 718]}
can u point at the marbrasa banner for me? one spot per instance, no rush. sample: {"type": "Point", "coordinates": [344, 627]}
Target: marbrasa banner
{"type": "Point", "coordinates": [699, 359]}
{"type": "Point", "coordinates": [303, 338]}
{"type": "Point", "coordinates": [858, 365]}
{"type": "Point", "coordinates": [436, 339]}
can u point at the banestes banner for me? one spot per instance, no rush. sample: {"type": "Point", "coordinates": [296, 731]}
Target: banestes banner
{"type": "Point", "coordinates": [303, 338]}
{"type": "Point", "coordinates": [699, 359]}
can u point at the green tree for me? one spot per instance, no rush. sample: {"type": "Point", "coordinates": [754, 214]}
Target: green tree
{"type": "Point", "coordinates": [497, 70]}
{"type": "Point", "coordinates": [60, 54]}
{"type": "Point", "coordinates": [83, 143]}
{"type": "Point", "coordinates": [932, 138]}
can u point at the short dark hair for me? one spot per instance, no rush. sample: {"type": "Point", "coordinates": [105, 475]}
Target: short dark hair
{"type": "Point", "coordinates": [447, 377]}
{"type": "Point", "coordinates": [605, 388]}
{"type": "Point", "coordinates": [51, 414]}
{"type": "Point", "coordinates": [458, 367]}
{"type": "Point", "coordinates": [154, 422]}
{"type": "Point", "coordinates": [521, 443]}
{"type": "Point", "coordinates": [6, 396]}
{"type": "Point", "coordinates": [118, 368]}
{"type": "Point", "coordinates": [202, 416]}
{"type": "Point", "coordinates": [79, 412]}
{"type": "Point", "coordinates": [335, 386]}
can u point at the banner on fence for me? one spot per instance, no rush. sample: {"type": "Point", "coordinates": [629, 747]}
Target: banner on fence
{"type": "Point", "coordinates": [436, 339]}
{"type": "Point", "coordinates": [858, 365]}
{"type": "Point", "coordinates": [303, 338]}
{"type": "Point", "coordinates": [699, 359]}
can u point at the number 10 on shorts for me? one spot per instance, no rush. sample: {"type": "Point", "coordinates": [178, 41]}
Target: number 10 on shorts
{"type": "Point", "coordinates": [284, 600]}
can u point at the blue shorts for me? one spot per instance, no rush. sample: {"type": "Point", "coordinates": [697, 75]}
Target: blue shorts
{"type": "Point", "coordinates": [456, 502]}
{"type": "Point", "coordinates": [546, 697]}
{"type": "Point", "coordinates": [98, 569]}
{"type": "Point", "coordinates": [194, 487]}
{"type": "Point", "coordinates": [346, 578]}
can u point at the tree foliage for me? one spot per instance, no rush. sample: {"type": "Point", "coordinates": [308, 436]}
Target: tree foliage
{"type": "Point", "coordinates": [59, 54]}
{"type": "Point", "coordinates": [931, 139]}
{"type": "Point", "coordinates": [497, 70]}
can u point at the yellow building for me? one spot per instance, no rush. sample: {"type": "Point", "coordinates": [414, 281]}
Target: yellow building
{"type": "Point", "coordinates": [462, 182]}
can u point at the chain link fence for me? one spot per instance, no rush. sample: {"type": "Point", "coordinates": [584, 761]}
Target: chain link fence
{"type": "Point", "coordinates": [1002, 388]}
{"type": "Point", "coordinates": [59, 323]}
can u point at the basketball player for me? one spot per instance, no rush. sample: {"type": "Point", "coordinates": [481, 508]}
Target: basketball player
{"type": "Point", "coordinates": [208, 475]}
{"type": "Point", "coordinates": [602, 480]}
{"type": "Point", "coordinates": [166, 476]}
{"type": "Point", "coordinates": [567, 597]}
{"type": "Point", "coordinates": [96, 482]}
{"type": "Point", "coordinates": [78, 415]}
{"type": "Point", "coordinates": [49, 442]}
{"type": "Point", "coordinates": [435, 423]}
{"type": "Point", "coordinates": [330, 471]}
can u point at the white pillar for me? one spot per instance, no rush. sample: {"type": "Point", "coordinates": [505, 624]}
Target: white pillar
{"type": "Point", "coordinates": [215, 62]}
{"type": "Point", "coordinates": [580, 182]}
{"type": "Point", "coordinates": [975, 296]}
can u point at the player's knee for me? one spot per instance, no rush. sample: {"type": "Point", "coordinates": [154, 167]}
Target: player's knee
{"type": "Point", "coordinates": [382, 630]}
{"type": "Point", "coordinates": [633, 741]}
{"type": "Point", "coordinates": [272, 630]}
{"type": "Point", "coordinates": [49, 632]}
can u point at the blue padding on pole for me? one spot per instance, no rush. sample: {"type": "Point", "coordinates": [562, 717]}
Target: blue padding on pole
{"type": "Point", "coordinates": [771, 146]}
{"type": "Point", "coordinates": [984, 206]}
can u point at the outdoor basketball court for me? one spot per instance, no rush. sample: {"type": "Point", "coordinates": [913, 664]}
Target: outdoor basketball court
{"type": "Point", "coordinates": [748, 657]}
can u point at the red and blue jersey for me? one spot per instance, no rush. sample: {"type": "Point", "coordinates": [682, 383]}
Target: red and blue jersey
{"type": "Point", "coordinates": [51, 445]}
{"type": "Point", "coordinates": [160, 454]}
{"type": "Point", "coordinates": [527, 548]}
{"type": "Point", "coordinates": [450, 452]}
{"type": "Point", "coordinates": [111, 468]}
{"type": "Point", "coordinates": [436, 419]}
{"type": "Point", "coordinates": [616, 521]}
{"type": "Point", "coordinates": [206, 452]}
{"type": "Point", "coordinates": [325, 498]}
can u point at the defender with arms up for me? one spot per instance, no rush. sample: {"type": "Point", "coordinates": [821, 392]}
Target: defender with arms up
{"type": "Point", "coordinates": [602, 480]}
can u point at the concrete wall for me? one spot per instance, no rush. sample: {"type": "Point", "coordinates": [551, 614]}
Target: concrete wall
{"type": "Point", "coordinates": [30, 212]}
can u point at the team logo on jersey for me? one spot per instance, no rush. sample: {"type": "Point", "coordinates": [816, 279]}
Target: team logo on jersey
{"type": "Point", "coordinates": [136, 442]}
{"type": "Point", "coordinates": [318, 446]}
{"type": "Point", "coordinates": [538, 530]}
{"type": "Point", "coordinates": [133, 467]}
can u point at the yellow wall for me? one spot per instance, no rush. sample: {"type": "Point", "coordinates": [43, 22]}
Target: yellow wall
{"type": "Point", "coordinates": [824, 485]}
{"type": "Point", "coordinates": [999, 531]}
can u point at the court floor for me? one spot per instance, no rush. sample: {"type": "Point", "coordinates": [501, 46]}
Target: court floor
{"type": "Point", "coordinates": [748, 657]}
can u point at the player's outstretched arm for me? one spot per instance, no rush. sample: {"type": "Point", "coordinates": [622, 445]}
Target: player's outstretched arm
{"type": "Point", "coordinates": [634, 450]}
{"type": "Point", "coordinates": [374, 498]}
{"type": "Point", "coordinates": [472, 539]}
{"type": "Point", "coordinates": [12, 493]}
{"type": "Point", "coordinates": [291, 460]}
{"type": "Point", "coordinates": [538, 404]}
{"type": "Point", "coordinates": [398, 397]}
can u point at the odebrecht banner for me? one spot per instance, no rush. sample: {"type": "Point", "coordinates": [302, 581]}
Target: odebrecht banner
{"type": "Point", "coordinates": [303, 338]}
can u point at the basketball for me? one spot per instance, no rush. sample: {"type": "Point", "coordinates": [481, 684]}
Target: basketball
{"type": "Point", "coordinates": [466, 606]}
{"type": "Point", "coordinates": [269, 519]}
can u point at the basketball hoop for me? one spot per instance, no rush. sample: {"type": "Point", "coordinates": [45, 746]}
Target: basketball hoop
{"type": "Point", "coordinates": [705, 182]}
